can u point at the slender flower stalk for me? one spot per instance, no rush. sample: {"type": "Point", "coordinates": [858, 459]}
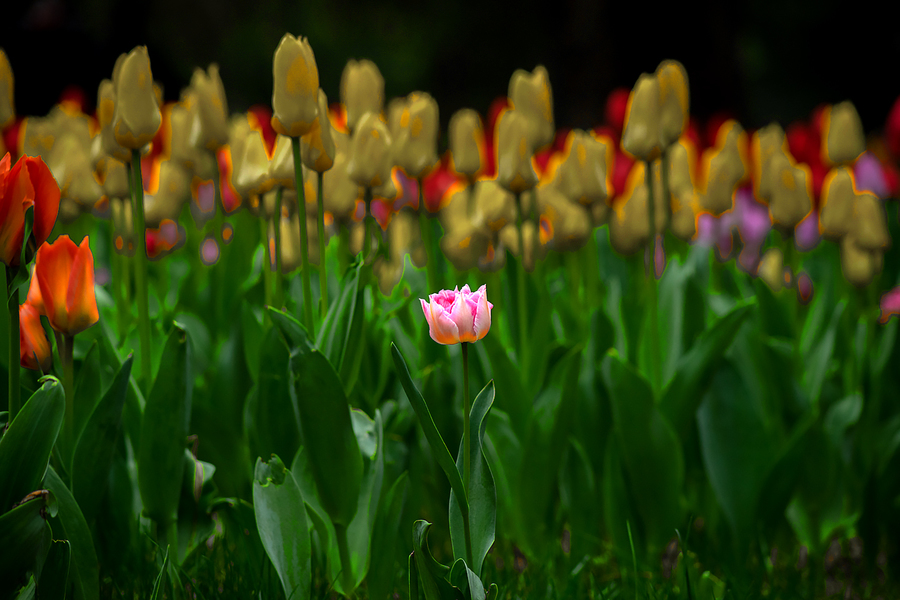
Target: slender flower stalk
{"type": "Point", "coordinates": [428, 241]}
{"type": "Point", "coordinates": [467, 444]}
{"type": "Point", "coordinates": [521, 300]}
{"type": "Point", "coordinates": [140, 267]}
{"type": "Point", "coordinates": [279, 276]}
{"type": "Point", "coordinates": [14, 348]}
{"type": "Point", "coordinates": [323, 270]}
{"type": "Point", "coordinates": [367, 225]}
{"type": "Point", "coordinates": [66, 345]}
{"type": "Point", "coordinates": [655, 361]}
{"type": "Point", "coordinates": [304, 249]}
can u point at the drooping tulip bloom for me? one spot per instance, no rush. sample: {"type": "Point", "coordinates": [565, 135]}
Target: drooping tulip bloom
{"type": "Point", "coordinates": [65, 278]}
{"type": "Point", "coordinates": [34, 349]}
{"type": "Point", "coordinates": [28, 184]}
{"type": "Point", "coordinates": [456, 316]}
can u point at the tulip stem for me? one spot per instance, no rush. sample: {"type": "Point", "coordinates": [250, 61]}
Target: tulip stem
{"type": "Point", "coordinates": [467, 449]}
{"type": "Point", "coordinates": [655, 363]}
{"type": "Point", "coordinates": [427, 240]}
{"type": "Point", "coordinates": [304, 249]}
{"type": "Point", "coordinates": [520, 287]}
{"type": "Point", "coordinates": [367, 225]}
{"type": "Point", "coordinates": [323, 271]}
{"type": "Point", "coordinates": [140, 270]}
{"type": "Point", "coordinates": [14, 347]}
{"type": "Point", "coordinates": [66, 346]}
{"type": "Point", "coordinates": [279, 276]}
{"type": "Point", "coordinates": [344, 553]}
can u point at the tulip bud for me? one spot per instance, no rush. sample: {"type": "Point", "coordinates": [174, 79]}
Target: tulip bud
{"type": "Point", "coordinates": [106, 113]}
{"type": "Point", "coordinates": [281, 167]}
{"type": "Point", "coordinates": [766, 143]}
{"type": "Point", "coordinates": [514, 170]}
{"type": "Point", "coordinates": [843, 139]}
{"type": "Point", "coordinates": [295, 97]}
{"type": "Point", "coordinates": [582, 176]}
{"type": "Point", "coordinates": [415, 145]}
{"type": "Point", "coordinates": [684, 202]}
{"type": "Point", "coordinates": [212, 108]}
{"type": "Point", "coordinates": [340, 193]}
{"type": "Point", "coordinates": [29, 183]}
{"type": "Point", "coordinates": [532, 97]}
{"type": "Point", "coordinates": [370, 152]}
{"type": "Point", "coordinates": [137, 117]}
{"type": "Point", "coordinates": [362, 90]}
{"type": "Point", "coordinates": [464, 245]}
{"type": "Point", "coordinates": [120, 212]}
{"type": "Point", "coordinates": [317, 148]}
{"type": "Point", "coordinates": [640, 137]}
{"type": "Point", "coordinates": [674, 101]}
{"type": "Point", "coordinates": [869, 224]}
{"type": "Point", "coordinates": [534, 248]}
{"type": "Point", "coordinates": [34, 349]}
{"type": "Point", "coordinates": [251, 166]}
{"type": "Point", "coordinates": [466, 139]}
{"type": "Point", "coordinates": [7, 99]}
{"type": "Point", "coordinates": [571, 223]}
{"type": "Point", "coordinates": [791, 191]}
{"type": "Point", "coordinates": [184, 124]}
{"type": "Point", "coordinates": [290, 242]}
{"type": "Point", "coordinates": [115, 180]}
{"type": "Point", "coordinates": [494, 205]}
{"type": "Point", "coordinates": [838, 199]}
{"type": "Point", "coordinates": [722, 169]}
{"type": "Point", "coordinates": [771, 269]}
{"type": "Point", "coordinates": [174, 188]}
{"type": "Point", "coordinates": [858, 264]}
{"type": "Point", "coordinates": [629, 229]}
{"type": "Point", "coordinates": [65, 274]}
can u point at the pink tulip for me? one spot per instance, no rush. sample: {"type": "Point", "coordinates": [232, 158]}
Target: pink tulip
{"type": "Point", "coordinates": [458, 315]}
{"type": "Point", "coordinates": [890, 305]}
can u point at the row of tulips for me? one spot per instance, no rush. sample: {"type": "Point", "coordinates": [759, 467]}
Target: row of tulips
{"type": "Point", "coordinates": [601, 421]}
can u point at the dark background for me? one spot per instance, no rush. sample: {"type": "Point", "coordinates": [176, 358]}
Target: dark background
{"type": "Point", "coordinates": [758, 61]}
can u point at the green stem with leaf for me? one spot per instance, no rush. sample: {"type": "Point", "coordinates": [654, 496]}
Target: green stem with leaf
{"type": "Point", "coordinates": [344, 553]}
{"type": "Point", "coordinates": [14, 346]}
{"type": "Point", "coordinates": [323, 271]}
{"type": "Point", "coordinates": [140, 267]}
{"type": "Point", "coordinates": [520, 288]}
{"type": "Point", "coordinates": [279, 275]}
{"type": "Point", "coordinates": [655, 361]}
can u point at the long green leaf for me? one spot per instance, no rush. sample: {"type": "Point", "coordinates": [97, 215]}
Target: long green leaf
{"type": "Point", "coordinates": [438, 447]}
{"type": "Point", "coordinates": [164, 431]}
{"type": "Point", "coordinates": [273, 420]}
{"type": "Point", "coordinates": [432, 574]}
{"type": "Point", "coordinates": [55, 571]}
{"type": "Point", "coordinates": [341, 336]}
{"type": "Point", "coordinates": [95, 448]}
{"type": "Point", "coordinates": [160, 581]}
{"type": "Point", "coordinates": [26, 445]}
{"type": "Point", "coordinates": [281, 521]}
{"type": "Point", "coordinates": [650, 451]}
{"type": "Point", "coordinates": [328, 435]}
{"type": "Point", "coordinates": [482, 493]}
{"type": "Point", "coordinates": [86, 574]}
{"type": "Point", "coordinates": [384, 540]}
{"type": "Point", "coordinates": [24, 538]}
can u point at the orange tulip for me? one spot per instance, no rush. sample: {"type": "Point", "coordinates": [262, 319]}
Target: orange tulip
{"type": "Point", "coordinates": [34, 349]}
{"type": "Point", "coordinates": [65, 280]}
{"type": "Point", "coordinates": [28, 184]}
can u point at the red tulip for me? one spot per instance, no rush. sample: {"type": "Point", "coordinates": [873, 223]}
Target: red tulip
{"type": "Point", "coordinates": [65, 279]}
{"type": "Point", "coordinates": [28, 184]}
{"type": "Point", "coordinates": [34, 349]}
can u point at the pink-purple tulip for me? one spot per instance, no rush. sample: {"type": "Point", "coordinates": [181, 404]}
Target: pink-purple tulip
{"type": "Point", "coordinates": [456, 316]}
{"type": "Point", "coordinates": [890, 304]}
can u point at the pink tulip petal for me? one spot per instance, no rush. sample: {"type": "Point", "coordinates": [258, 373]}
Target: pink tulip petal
{"type": "Point", "coordinates": [482, 314]}
{"type": "Point", "coordinates": [464, 317]}
{"type": "Point", "coordinates": [442, 330]}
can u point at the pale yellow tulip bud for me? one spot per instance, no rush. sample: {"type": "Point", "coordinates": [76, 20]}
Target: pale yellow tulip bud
{"type": "Point", "coordinates": [251, 166]}
{"type": "Point", "coordinates": [640, 134]}
{"type": "Point", "coordinates": [791, 191]}
{"type": "Point", "coordinates": [869, 226]}
{"type": "Point", "coordinates": [370, 152]}
{"type": "Point", "coordinates": [571, 223]}
{"type": "Point", "coordinates": [771, 269]}
{"type": "Point", "coordinates": [858, 264]}
{"type": "Point", "coordinates": [535, 249]}
{"type": "Point", "coordinates": [722, 169]}
{"type": "Point", "coordinates": [212, 107]}
{"type": "Point", "coordinates": [466, 139]}
{"type": "Point", "coordinates": [174, 189]}
{"type": "Point", "coordinates": [362, 90]}
{"type": "Point", "coordinates": [317, 148]}
{"type": "Point", "coordinates": [532, 96]}
{"type": "Point", "coordinates": [838, 199]}
{"type": "Point", "coordinates": [137, 117]}
{"type": "Point", "coordinates": [415, 145]}
{"type": "Point", "coordinates": [295, 96]}
{"type": "Point", "coordinates": [765, 143]}
{"type": "Point", "coordinates": [281, 167]}
{"type": "Point", "coordinates": [514, 170]}
{"type": "Point", "coordinates": [464, 245]}
{"type": "Point", "coordinates": [629, 229]}
{"type": "Point", "coordinates": [843, 138]}
{"type": "Point", "coordinates": [340, 193]}
{"type": "Point", "coordinates": [674, 101]}
{"type": "Point", "coordinates": [115, 181]}
{"type": "Point", "coordinates": [494, 206]}
{"type": "Point", "coordinates": [582, 176]}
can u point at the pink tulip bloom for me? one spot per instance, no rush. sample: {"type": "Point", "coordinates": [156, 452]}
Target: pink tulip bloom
{"type": "Point", "coordinates": [890, 304]}
{"type": "Point", "coordinates": [458, 315]}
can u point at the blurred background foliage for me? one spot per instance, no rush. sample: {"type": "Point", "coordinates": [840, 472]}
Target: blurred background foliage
{"type": "Point", "coordinates": [756, 61]}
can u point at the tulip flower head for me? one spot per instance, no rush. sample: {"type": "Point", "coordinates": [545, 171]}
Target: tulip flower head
{"type": "Point", "coordinates": [34, 349]}
{"type": "Point", "coordinates": [456, 316]}
{"type": "Point", "coordinates": [28, 184]}
{"type": "Point", "coordinates": [65, 280]}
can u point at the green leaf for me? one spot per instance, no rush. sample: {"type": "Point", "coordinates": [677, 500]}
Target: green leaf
{"type": "Point", "coordinates": [649, 449]}
{"type": "Point", "coordinates": [682, 313]}
{"type": "Point", "coordinates": [738, 449]}
{"type": "Point", "coordinates": [161, 578]}
{"type": "Point", "coordinates": [24, 538]}
{"type": "Point", "coordinates": [692, 374]}
{"type": "Point", "coordinates": [840, 416]}
{"type": "Point", "coordinates": [384, 540]}
{"type": "Point", "coordinates": [511, 397]}
{"type": "Point", "coordinates": [432, 574]}
{"type": "Point", "coordinates": [292, 329]}
{"type": "Point", "coordinates": [281, 521]}
{"type": "Point", "coordinates": [328, 436]}
{"type": "Point", "coordinates": [820, 355]}
{"type": "Point", "coordinates": [75, 529]}
{"type": "Point", "coordinates": [273, 418]}
{"type": "Point", "coordinates": [26, 445]}
{"type": "Point", "coordinates": [164, 431]}
{"type": "Point", "coordinates": [95, 448]}
{"type": "Point", "coordinates": [482, 494]}
{"type": "Point", "coordinates": [435, 441]}
{"type": "Point", "coordinates": [132, 413]}
{"type": "Point", "coordinates": [55, 571]}
{"type": "Point", "coordinates": [88, 388]}
{"type": "Point", "coordinates": [464, 579]}
{"type": "Point", "coordinates": [341, 336]}
{"type": "Point", "coordinates": [252, 331]}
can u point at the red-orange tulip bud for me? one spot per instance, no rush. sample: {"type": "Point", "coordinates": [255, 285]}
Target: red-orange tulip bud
{"type": "Point", "coordinates": [34, 349]}
{"type": "Point", "coordinates": [65, 274]}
